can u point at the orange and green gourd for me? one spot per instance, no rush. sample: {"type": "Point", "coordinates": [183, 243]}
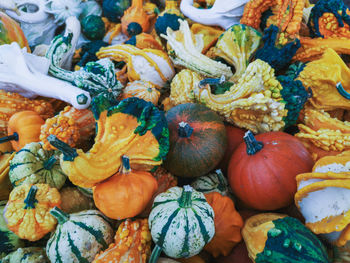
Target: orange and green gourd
{"type": "Point", "coordinates": [169, 17]}
{"type": "Point", "coordinates": [10, 31]}
{"type": "Point", "coordinates": [135, 19]}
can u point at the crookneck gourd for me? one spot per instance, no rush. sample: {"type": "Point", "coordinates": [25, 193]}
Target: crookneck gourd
{"type": "Point", "coordinates": [27, 210]}
{"type": "Point", "coordinates": [132, 243]}
{"type": "Point", "coordinates": [272, 238]}
{"type": "Point", "coordinates": [151, 65]}
{"type": "Point", "coordinates": [134, 127]}
{"type": "Point", "coordinates": [95, 77]}
{"type": "Point", "coordinates": [32, 164]}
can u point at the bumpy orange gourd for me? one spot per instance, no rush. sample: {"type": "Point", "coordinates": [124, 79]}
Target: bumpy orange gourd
{"type": "Point", "coordinates": [28, 210]}
{"type": "Point", "coordinates": [132, 244]}
{"type": "Point", "coordinates": [125, 194]}
{"type": "Point", "coordinates": [23, 128]}
{"type": "Point", "coordinates": [228, 223]}
{"type": "Point", "coordinates": [135, 19]}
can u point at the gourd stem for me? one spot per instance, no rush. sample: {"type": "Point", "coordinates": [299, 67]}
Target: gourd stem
{"type": "Point", "coordinates": [61, 216]}
{"type": "Point", "coordinates": [125, 167]}
{"type": "Point", "coordinates": [13, 137]}
{"type": "Point", "coordinates": [185, 201]}
{"type": "Point", "coordinates": [69, 153]}
{"type": "Point", "coordinates": [155, 254]}
{"type": "Point", "coordinates": [50, 162]}
{"type": "Point", "coordinates": [253, 146]}
{"type": "Point", "coordinates": [222, 183]}
{"type": "Point", "coordinates": [212, 81]}
{"type": "Point", "coordinates": [342, 91]}
{"type": "Point", "coordinates": [30, 200]}
{"type": "Point", "coordinates": [185, 130]}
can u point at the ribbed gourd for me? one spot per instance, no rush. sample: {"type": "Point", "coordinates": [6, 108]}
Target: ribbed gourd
{"type": "Point", "coordinates": [212, 182]}
{"type": "Point", "coordinates": [78, 237]}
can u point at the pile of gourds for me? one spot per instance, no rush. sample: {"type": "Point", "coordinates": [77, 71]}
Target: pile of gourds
{"type": "Point", "coordinates": [204, 131]}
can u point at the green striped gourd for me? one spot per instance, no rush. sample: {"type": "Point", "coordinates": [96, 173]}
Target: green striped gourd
{"type": "Point", "coordinates": [78, 237]}
{"type": "Point", "coordinates": [181, 223]}
{"type": "Point", "coordinates": [26, 255]}
{"type": "Point", "coordinates": [212, 182]}
{"type": "Point", "coordinates": [9, 241]}
{"type": "Point", "coordinates": [32, 164]}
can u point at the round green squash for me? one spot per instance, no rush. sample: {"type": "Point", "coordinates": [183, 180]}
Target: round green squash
{"type": "Point", "coordinates": [114, 9]}
{"type": "Point", "coordinates": [32, 164]}
{"type": "Point", "coordinates": [79, 236]}
{"type": "Point", "coordinates": [26, 255]}
{"type": "Point", "coordinates": [93, 27]}
{"type": "Point", "coordinates": [212, 182]}
{"type": "Point", "coordinates": [181, 223]}
{"type": "Point", "coordinates": [197, 138]}
{"type": "Point", "coordinates": [9, 241]}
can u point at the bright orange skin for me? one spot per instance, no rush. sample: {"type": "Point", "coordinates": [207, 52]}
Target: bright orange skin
{"type": "Point", "coordinates": [10, 31]}
{"type": "Point", "coordinates": [125, 194]}
{"type": "Point", "coordinates": [266, 180]}
{"type": "Point", "coordinates": [27, 125]}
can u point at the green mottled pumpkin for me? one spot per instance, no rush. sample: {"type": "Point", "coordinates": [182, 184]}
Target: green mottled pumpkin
{"type": "Point", "coordinates": [181, 223]}
{"type": "Point", "coordinates": [32, 164]}
{"type": "Point", "coordinates": [79, 236]}
{"type": "Point", "coordinates": [93, 27]}
{"type": "Point", "coordinates": [197, 138]}
{"type": "Point", "coordinates": [212, 182]}
{"type": "Point", "coordinates": [114, 9]}
{"type": "Point", "coordinates": [26, 255]}
{"type": "Point", "coordinates": [9, 241]}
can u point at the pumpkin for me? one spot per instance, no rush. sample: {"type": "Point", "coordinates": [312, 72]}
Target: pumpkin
{"type": "Point", "coordinates": [5, 183]}
{"type": "Point", "coordinates": [121, 130]}
{"type": "Point", "coordinates": [27, 210]}
{"type": "Point", "coordinates": [93, 27]}
{"type": "Point", "coordinates": [11, 32]}
{"type": "Point", "coordinates": [78, 236]}
{"type": "Point", "coordinates": [238, 254]}
{"type": "Point", "coordinates": [169, 17]}
{"type": "Point", "coordinates": [9, 241]}
{"type": "Point", "coordinates": [72, 126]}
{"type": "Point", "coordinates": [132, 243]}
{"type": "Point", "coordinates": [74, 201]}
{"type": "Point", "coordinates": [114, 9]}
{"type": "Point", "coordinates": [197, 140]}
{"type": "Point", "coordinates": [11, 103]}
{"type": "Point", "coordinates": [212, 182]}
{"type": "Point", "coordinates": [181, 223]}
{"type": "Point", "coordinates": [234, 139]}
{"type": "Point", "coordinates": [135, 19]}
{"type": "Point", "coordinates": [32, 164]}
{"type": "Point", "coordinates": [143, 90]}
{"type": "Point", "coordinates": [23, 127]}
{"type": "Point", "coordinates": [125, 194]}
{"type": "Point", "coordinates": [277, 238]}
{"type": "Point", "coordinates": [27, 255]}
{"type": "Point", "coordinates": [228, 224]}
{"type": "Point", "coordinates": [279, 158]}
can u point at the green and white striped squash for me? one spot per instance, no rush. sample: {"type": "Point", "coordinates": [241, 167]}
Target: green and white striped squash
{"type": "Point", "coordinates": [212, 182]}
{"type": "Point", "coordinates": [26, 255]}
{"type": "Point", "coordinates": [78, 237]}
{"type": "Point", "coordinates": [32, 164]}
{"type": "Point", "coordinates": [181, 223]}
{"type": "Point", "coordinates": [9, 241]}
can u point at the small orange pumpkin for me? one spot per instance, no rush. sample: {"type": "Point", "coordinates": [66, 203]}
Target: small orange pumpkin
{"type": "Point", "coordinates": [135, 19]}
{"type": "Point", "coordinates": [23, 127]}
{"type": "Point", "coordinates": [141, 89]}
{"type": "Point", "coordinates": [228, 224]}
{"type": "Point", "coordinates": [125, 194]}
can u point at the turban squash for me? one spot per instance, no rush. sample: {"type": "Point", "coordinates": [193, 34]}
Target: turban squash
{"type": "Point", "coordinates": [134, 127]}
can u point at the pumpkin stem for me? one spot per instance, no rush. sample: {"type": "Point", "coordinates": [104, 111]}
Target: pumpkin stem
{"type": "Point", "coordinates": [155, 254]}
{"type": "Point", "coordinates": [69, 153]}
{"type": "Point", "coordinates": [125, 168]}
{"type": "Point", "coordinates": [222, 186]}
{"type": "Point", "coordinates": [185, 201]}
{"type": "Point", "coordinates": [212, 81]}
{"type": "Point", "coordinates": [61, 216]}
{"type": "Point", "coordinates": [185, 130]}
{"type": "Point", "coordinates": [50, 163]}
{"type": "Point", "coordinates": [342, 91]}
{"type": "Point", "coordinates": [30, 198]}
{"type": "Point", "coordinates": [253, 146]}
{"type": "Point", "coordinates": [13, 137]}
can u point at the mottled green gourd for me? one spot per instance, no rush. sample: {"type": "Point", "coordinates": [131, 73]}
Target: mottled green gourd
{"type": "Point", "coordinates": [32, 164]}
{"type": "Point", "coordinates": [114, 9]}
{"type": "Point", "coordinates": [169, 17]}
{"type": "Point", "coordinates": [26, 255]}
{"type": "Point", "coordinates": [181, 223]}
{"type": "Point", "coordinates": [93, 27]}
{"type": "Point", "coordinates": [9, 241]}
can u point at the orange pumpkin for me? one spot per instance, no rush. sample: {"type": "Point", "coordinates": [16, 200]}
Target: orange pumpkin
{"type": "Point", "coordinates": [125, 194]}
{"type": "Point", "coordinates": [135, 19]}
{"type": "Point", "coordinates": [10, 31]}
{"type": "Point", "coordinates": [141, 89]}
{"type": "Point", "coordinates": [23, 127]}
{"type": "Point", "coordinates": [228, 224]}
